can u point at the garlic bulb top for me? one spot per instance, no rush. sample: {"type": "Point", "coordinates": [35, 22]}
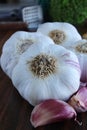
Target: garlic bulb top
{"type": "Point", "coordinates": [80, 49]}
{"type": "Point", "coordinates": [61, 32]}
{"type": "Point", "coordinates": [16, 45]}
{"type": "Point", "coordinates": [46, 71]}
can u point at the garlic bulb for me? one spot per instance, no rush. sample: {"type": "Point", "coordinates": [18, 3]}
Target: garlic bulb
{"type": "Point", "coordinates": [46, 71]}
{"type": "Point", "coordinates": [61, 32]}
{"type": "Point", "coordinates": [16, 45]}
{"type": "Point", "coordinates": [80, 49]}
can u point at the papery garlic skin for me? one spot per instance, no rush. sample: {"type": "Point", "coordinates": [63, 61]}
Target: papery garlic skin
{"type": "Point", "coordinates": [84, 36]}
{"type": "Point", "coordinates": [80, 49]}
{"type": "Point", "coordinates": [55, 75]}
{"type": "Point", "coordinates": [51, 111]}
{"type": "Point", "coordinates": [16, 45]}
{"type": "Point", "coordinates": [79, 100]}
{"type": "Point", "coordinates": [61, 32]}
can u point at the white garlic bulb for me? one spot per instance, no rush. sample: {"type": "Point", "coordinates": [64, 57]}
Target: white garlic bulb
{"type": "Point", "coordinates": [16, 45]}
{"type": "Point", "coordinates": [46, 71]}
{"type": "Point", "coordinates": [80, 49]}
{"type": "Point", "coordinates": [60, 32]}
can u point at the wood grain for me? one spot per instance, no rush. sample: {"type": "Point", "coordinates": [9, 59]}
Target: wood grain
{"type": "Point", "coordinates": [15, 111]}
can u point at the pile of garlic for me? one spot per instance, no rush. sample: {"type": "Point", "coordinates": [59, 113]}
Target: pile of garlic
{"type": "Point", "coordinates": [47, 66]}
{"type": "Point", "coordinates": [67, 35]}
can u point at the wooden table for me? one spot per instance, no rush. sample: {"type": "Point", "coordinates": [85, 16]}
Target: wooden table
{"type": "Point", "coordinates": [15, 111]}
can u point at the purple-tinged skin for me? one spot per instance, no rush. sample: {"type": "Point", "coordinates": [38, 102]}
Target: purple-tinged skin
{"type": "Point", "coordinates": [50, 111]}
{"type": "Point", "coordinates": [79, 100]}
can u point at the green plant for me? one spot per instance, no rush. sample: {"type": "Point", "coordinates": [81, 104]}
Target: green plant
{"type": "Point", "coordinates": [73, 11]}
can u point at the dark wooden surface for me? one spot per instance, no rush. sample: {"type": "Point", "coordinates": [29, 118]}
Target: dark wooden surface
{"type": "Point", "coordinates": [15, 111]}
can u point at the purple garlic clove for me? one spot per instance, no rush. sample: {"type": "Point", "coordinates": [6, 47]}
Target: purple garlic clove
{"type": "Point", "coordinates": [50, 111]}
{"type": "Point", "coordinates": [79, 100]}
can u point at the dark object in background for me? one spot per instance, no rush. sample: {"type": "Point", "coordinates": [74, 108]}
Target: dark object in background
{"type": "Point", "coordinates": [45, 7]}
{"type": "Point", "coordinates": [13, 26]}
{"type": "Point", "coordinates": [13, 15]}
{"type": "Point", "coordinates": [8, 1]}
{"type": "Point", "coordinates": [3, 1]}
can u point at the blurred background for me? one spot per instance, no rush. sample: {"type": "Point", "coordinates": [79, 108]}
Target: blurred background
{"type": "Point", "coordinates": [28, 11]}
{"type": "Point", "coordinates": [11, 10]}
{"type": "Point", "coordinates": [72, 11]}
{"type": "Point", "coordinates": [13, 4]}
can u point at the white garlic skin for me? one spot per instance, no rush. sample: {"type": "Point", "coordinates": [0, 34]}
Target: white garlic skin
{"type": "Point", "coordinates": [81, 53]}
{"type": "Point", "coordinates": [16, 45]}
{"type": "Point", "coordinates": [71, 34]}
{"type": "Point", "coordinates": [60, 84]}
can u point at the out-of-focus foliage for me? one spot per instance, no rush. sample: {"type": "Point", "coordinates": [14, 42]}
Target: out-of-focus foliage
{"type": "Point", "coordinates": [73, 11]}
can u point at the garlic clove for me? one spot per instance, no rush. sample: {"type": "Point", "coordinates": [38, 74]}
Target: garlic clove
{"type": "Point", "coordinates": [51, 111]}
{"type": "Point", "coordinates": [61, 33]}
{"type": "Point", "coordinates": [79, 100]}
{"type": "Point", "coordinates": [18, 44]}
